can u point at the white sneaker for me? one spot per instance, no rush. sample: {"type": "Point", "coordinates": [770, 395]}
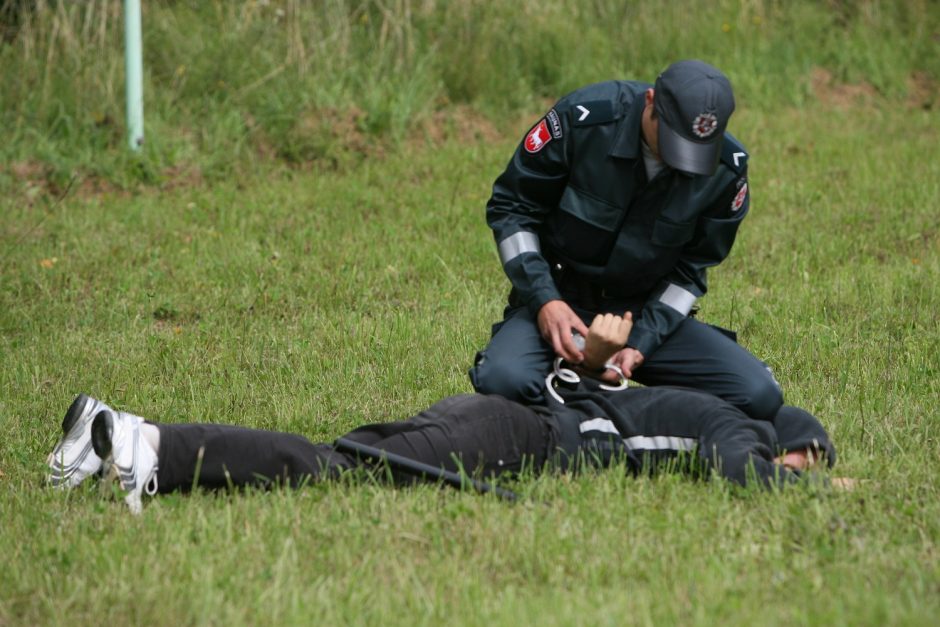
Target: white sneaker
{"type": "Point", "coordinates": [73, 457]}
{"type": "Point", "coordinates": [127, 455]}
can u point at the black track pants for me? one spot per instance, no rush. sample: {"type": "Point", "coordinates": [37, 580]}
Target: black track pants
{"type": "Point", "coordinates": [475, 433]}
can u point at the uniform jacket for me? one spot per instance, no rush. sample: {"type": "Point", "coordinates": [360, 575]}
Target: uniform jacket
{"type": "Point", "coordinates": [646, 426]}
{"type": "Point", "coordinates": [574, 203]}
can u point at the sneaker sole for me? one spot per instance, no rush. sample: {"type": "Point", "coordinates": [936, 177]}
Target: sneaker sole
{"type": "Point", "coordinates": [101, 430]}
{"type": "Point", "coordinates": [75, 411]}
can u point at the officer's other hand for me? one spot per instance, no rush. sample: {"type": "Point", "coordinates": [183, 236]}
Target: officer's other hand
{"type": "Point", "coordinates": [628, 360]}
{"type": "Point", "coordinates": [607, 335]}
{"type": "Point", "coordinates": [556, 322]}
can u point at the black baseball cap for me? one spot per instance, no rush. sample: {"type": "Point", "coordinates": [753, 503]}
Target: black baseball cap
{"type": "Point", "coordinates": [694, 102]}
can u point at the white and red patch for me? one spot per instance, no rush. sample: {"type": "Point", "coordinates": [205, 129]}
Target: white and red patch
{"type": "Point", "coordinates": [704, 124]}
{"type": "Point", "coordinates": [537, 137]}
{"type": "Point", "coordinates": [738, 201]}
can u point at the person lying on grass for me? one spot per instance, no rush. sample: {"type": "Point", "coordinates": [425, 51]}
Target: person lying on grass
{"type": "Point", "coordinates": [581, 422]}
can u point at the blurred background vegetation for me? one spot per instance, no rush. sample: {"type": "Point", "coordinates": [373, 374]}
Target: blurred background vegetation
{"type": "Point", "coordinates": [231, 83]}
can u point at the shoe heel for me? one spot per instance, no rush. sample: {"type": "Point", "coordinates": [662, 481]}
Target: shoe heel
{"type": "Point", "coordinates": [74, 412]}
{"type": "Point", "coordinates": [101, 429]}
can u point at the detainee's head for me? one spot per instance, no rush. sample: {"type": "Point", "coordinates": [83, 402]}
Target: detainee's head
{"type": "Point", "coordinates": [689, 109]}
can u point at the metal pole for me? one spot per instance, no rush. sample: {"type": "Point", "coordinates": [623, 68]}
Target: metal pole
{"type": "Point", "coordinates": [134, 69]}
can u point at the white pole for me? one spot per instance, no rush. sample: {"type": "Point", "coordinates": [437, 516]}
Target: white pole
{"type": "Point", "coordinates": [134, 69]}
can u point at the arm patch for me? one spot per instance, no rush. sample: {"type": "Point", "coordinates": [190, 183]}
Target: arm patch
{"type": "Point", "coordinates": [554, 124]}
{"type": "Point", "coordinates": [740, 196]}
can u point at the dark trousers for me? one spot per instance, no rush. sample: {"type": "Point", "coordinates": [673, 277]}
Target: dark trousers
{"type": "Point", "coordinates": [697, 355]}
{"type": "Point", "coordinates": [472, 433]}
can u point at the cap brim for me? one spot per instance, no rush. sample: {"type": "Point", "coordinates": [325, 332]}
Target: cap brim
{"type": "Point", "coordinates": [681, 154]}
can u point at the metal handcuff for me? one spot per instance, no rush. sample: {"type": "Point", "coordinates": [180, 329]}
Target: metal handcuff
{"type": "Point", "coordinates": [566, 375]}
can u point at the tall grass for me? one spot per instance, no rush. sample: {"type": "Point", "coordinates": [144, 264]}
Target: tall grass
{"type": "Point", "coordinates": [228, 83]}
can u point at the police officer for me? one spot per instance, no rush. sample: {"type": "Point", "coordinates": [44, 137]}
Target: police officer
{"type": "Point", "coordinates": [619, 200]}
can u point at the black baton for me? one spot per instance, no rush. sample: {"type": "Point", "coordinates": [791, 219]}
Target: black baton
{"type": "Point", "coordinates": [420, 469]}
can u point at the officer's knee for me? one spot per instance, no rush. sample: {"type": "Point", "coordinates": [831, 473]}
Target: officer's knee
{"type": "Point", "coordinates": [762, 398]}
{"type": "Point", "coordinates": [506, 379]}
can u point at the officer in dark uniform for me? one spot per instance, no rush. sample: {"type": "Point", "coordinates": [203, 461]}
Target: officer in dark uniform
{"type": "Point", "coordinates": [617, 201]}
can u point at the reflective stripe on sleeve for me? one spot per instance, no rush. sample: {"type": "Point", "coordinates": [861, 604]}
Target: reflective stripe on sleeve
{"type": "Point", "coordinates": [517, 244]}
{"type": "Point", "coordinates": [660, 443]}
{"type": "Point", "coordinates": [598, 424]}
{"type": "Point", "coordinates": [641, 442]}
{"type": "Point", "coordinates": [678, 298]}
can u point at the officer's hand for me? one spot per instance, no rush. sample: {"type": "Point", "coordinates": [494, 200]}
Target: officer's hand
{"type": "Point", "coordinates": [607, 335]}
{"type": "Point", "coordinates": [556, 322]}
{"type": "Point", "coordinates": [628, 360]}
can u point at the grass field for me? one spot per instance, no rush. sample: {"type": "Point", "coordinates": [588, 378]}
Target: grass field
{"type": "Point", "coordinates": [312, 292]}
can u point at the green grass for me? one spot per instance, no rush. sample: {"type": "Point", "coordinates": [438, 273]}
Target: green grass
{"type": "Point", "coordinates": [314, 301]}
{"type": "Point", "coordinates": [313, 282]}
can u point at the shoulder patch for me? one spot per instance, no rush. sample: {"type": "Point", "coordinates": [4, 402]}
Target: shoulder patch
{"type": "Point", "coordinates": [733, 154]}
{"type": "Point", "coordinates": [592, 112]}
{"type": "Point", "coordinates": [554, 124]}
{"type": "Point", "coordinates": [740, 197]}
{"type": "Point", "coordinates": [538, 137]}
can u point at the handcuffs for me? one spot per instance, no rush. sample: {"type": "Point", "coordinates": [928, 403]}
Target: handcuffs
{"type": "Point", "coordinates": [572, 378]}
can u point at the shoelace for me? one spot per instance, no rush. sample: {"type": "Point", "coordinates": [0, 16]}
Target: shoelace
{"type": "Point", "coordinates": [150, 487]}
